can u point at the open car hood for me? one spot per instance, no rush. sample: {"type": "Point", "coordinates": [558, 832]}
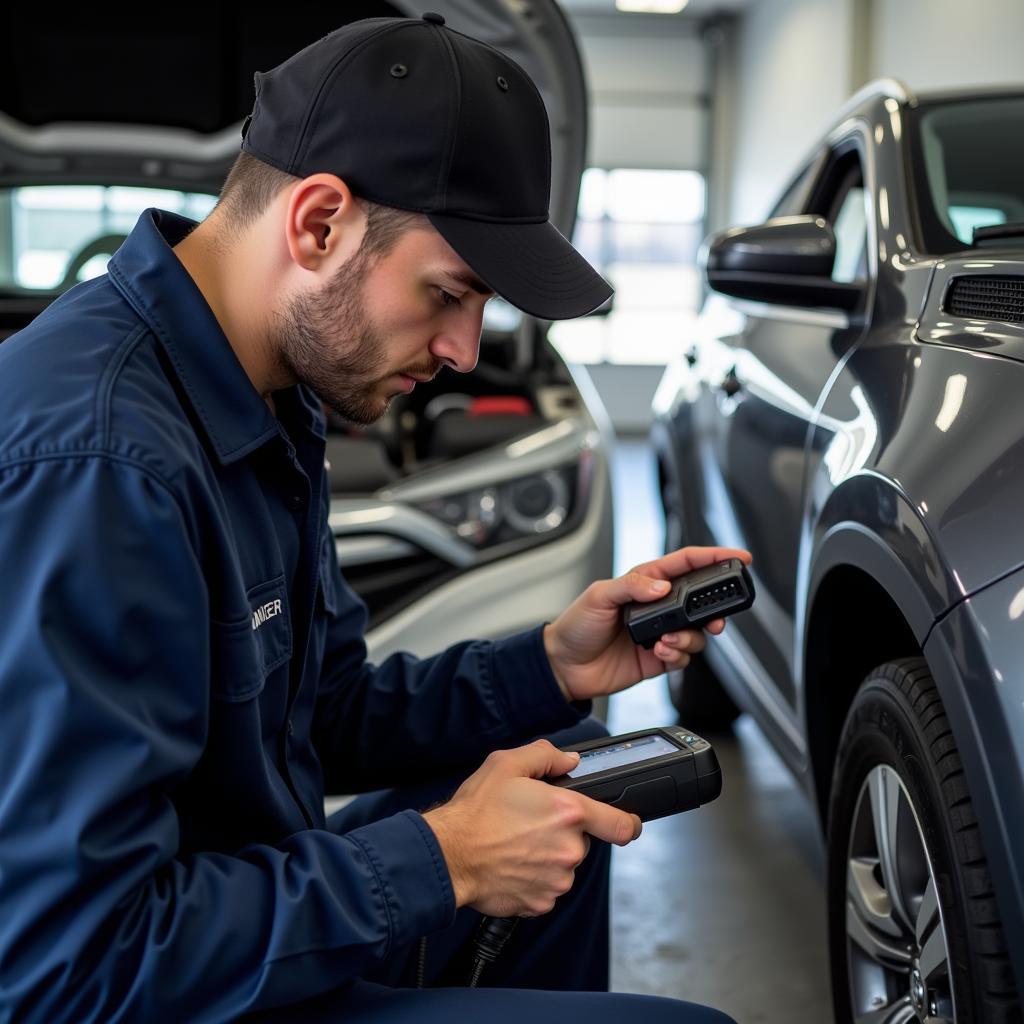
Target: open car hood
{"type": "Point", "coordinates": [156, 97]}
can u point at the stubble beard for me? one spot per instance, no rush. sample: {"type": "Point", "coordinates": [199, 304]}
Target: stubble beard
{"type": "Point", "coordinates": [311, 328]}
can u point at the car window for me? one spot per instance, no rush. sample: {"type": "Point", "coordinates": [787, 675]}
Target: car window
{"type": "Point", "coordinates": [63, 234]}
{"type": "Point", "coordinates": [966, 155]}
{"type": "Point", "coordinates": [851, 229]}
{"type": "Point", "coordinates": [840, 199]}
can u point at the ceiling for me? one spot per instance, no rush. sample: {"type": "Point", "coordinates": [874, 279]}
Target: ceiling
{"type": "Point", "coordinates": [694, 9]}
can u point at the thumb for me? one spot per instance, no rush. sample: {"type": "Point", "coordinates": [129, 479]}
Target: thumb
{"type": "Point", "coordinates": [541, 758]}
{"type": "Point", "coordinates": [567, 760]}
{"type": "Point", "coordinates": [634, 586]}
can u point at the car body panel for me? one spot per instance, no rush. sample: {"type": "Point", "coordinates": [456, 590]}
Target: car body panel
{"type": "Point", "coordinates": [941, 327]}
{"type": "Point", "coordinates": [862, 459]}
{"type": "Point", "coordinates": [918, 419]}
{"type": "Point", "coordinates": [534, 587]}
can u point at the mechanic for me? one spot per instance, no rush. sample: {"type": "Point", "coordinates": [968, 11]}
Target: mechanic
{"type": "Point", "coordinates": [182, 667]}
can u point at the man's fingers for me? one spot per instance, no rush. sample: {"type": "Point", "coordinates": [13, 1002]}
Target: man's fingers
{"type": "Point", "coordinates": [690, 640]}
{"type": "Point", "coordinates": [670, 657]}
{"type": "Point", "coordinates": [684, 560]}
{"type": "Point", "coordinates": [609, 823]}
{"type": "Point", "coordinates": [536, 760]}
{"type": "Point", "coordinates": [634, 586]}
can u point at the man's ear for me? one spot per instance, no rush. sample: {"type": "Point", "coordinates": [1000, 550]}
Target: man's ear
{"type": "Point", "coordinates": [322, 219]}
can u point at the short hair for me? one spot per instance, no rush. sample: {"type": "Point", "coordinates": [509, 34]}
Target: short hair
{"type": "Point", "coordinates": [252, 185]}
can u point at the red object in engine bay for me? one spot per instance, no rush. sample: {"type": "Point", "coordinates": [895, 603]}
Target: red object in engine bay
{"type": "Point", "coordinates": [500, 405]}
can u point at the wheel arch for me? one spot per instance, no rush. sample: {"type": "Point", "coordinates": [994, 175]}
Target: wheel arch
{"type": "Point", "coordinates": [837, 659]}
{"type": "Point", "coordinates": [856, 568]}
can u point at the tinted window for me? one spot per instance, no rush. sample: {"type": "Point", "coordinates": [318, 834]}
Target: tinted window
{"type": "Point", "coordinates": [967, 160]}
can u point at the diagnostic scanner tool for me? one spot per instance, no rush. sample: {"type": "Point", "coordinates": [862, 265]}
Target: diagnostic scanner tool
{"type": "Point", "coordinates": [697, 598]}
{"type": "Point", "coordinates": [651, 773]}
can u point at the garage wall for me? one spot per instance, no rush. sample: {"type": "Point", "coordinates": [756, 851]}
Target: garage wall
{"type": "Point", "coordinates": [792, 70]}
{"type": "Point", "coordinates": [797, 61]}
{"type": "Point", "coordinates": [647, 84]}
{"type": "Point", "coordinates": [939, 44]}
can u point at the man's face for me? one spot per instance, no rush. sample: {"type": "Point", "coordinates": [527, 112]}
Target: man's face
{"type": "Point", "coordinates": [382, 324]}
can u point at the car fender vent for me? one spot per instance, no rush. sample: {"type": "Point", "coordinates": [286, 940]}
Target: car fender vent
{"type": "Point", "coordinates": [986, 298]}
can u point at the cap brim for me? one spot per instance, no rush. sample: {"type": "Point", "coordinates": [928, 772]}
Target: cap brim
{"type": "Point", "coordinates": [533, 266]}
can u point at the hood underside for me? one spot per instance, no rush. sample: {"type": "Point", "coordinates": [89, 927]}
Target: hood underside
{"type": "Point", "coordinates": [156, 96]}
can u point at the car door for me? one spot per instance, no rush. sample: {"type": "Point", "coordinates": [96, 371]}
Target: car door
{"type": "Point", "coordinates": [762, 368]}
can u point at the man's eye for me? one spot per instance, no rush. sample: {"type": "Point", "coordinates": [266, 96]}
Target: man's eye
{"type": "Point", "coordinates": [447, 299]}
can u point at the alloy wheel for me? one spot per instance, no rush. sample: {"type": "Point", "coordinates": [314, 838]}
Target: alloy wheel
{"type": "Point", "coordinates": [897, 947]}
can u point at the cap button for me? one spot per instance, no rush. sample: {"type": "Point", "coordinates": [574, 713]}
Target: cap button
{"type": "Point", "coordinates": [434, 19]}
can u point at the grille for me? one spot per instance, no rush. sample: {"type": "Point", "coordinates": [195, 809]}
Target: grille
{"type": "Point", "coordinates": [987, 298]}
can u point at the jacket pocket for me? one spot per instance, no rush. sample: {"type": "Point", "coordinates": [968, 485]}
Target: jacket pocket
{"type": "Point", "coordinates": [246, 651]}
{"type": "Point", "coordinates": [236, 661]}
{"type": "Point", "coordinates": [271, 622]}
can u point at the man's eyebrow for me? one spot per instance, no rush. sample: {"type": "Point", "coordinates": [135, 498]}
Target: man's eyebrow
{"type": "Point", "coordinates": [470, 281]}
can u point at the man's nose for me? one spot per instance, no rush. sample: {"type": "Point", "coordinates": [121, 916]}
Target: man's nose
{"type": "Point", "coordinates": [458, 345]}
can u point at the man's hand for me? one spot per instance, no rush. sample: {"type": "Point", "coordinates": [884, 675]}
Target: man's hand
{"type": "Point", "coordinates": [512, 842]}
{"type": "Point", "coordinates": [589, 648]}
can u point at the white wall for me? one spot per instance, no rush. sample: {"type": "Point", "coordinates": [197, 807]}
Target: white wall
{"type": "Point", "coordinates": [793, 70]}
{"type": "Point", "coordinates": [938, 44]}
{"type": "Point", "coordinates": [647, 83]}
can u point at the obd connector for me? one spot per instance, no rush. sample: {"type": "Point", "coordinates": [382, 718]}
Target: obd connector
{"type": "Point", "coordinates": [695, 599]}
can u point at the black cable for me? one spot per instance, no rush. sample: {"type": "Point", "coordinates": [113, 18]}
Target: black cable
{"type": "Point", "coordinates": [491, 937]}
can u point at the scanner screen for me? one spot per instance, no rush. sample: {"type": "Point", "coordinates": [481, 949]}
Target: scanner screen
{"type": "Point", "coordinates": [643, 748]}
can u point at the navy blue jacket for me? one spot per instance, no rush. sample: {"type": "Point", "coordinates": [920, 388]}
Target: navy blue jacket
{"type": "Point", "coordinates": [183, 674]}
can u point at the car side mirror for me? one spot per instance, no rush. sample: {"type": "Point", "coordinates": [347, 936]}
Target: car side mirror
{"type": "Point", "coordinates": [786, 260]}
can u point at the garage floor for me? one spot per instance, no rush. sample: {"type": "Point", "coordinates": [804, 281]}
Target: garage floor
{"type": "Point", "coordinates": [724, 905]}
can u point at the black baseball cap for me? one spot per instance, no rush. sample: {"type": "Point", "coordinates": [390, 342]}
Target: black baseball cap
{"type": "Point", "coordinates": [414, 115]}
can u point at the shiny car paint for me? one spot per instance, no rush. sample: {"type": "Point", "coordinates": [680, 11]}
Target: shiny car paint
{"type": "Point", "coordinates": [871, 463]}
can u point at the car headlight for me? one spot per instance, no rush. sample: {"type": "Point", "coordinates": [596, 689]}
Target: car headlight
{"type": "Point", "coordinates": [529, 506]}
{"type": "Point", "coordinates": [478, 508]}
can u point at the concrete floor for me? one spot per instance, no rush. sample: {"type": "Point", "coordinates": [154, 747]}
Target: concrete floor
{"type": "Point", "coordinates": [723, 905]}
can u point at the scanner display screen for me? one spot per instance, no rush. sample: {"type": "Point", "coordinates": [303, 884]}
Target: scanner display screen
{"type": "Point", "coordinates": [643, 748]}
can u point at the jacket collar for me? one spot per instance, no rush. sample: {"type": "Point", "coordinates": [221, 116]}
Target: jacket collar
{"type": "Point", "coordinates": [162, 292]}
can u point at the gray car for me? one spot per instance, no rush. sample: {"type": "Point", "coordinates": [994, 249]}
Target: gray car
{"type": "Point", "coordinates": [480, 504]}
{"type": "Point", "coordinates": [850, 411]}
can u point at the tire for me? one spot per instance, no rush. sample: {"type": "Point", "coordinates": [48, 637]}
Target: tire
{"type": "Point", "coordinates": [695, 691]}
{"type": "Point", "coordinates": [700, 699]}
{"type": "Point", "coordinates": [914, 931]}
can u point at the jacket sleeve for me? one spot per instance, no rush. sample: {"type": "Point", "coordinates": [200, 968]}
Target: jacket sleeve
{"type": "Point", "coordinates": [384, 725]}
{"type": "Point", "coordinates": [104, 685]}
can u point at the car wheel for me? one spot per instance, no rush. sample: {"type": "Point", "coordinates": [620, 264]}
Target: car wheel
{"type": "Point", "coordinates": [700, 699]}
{"type": "Point", "coordinates": [914, 931]}
{"type": "Point", "coordinates": [695, 691]}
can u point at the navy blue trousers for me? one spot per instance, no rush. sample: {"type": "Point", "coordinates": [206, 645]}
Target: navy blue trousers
{"type": "Point", "coordinates": [553, 968]}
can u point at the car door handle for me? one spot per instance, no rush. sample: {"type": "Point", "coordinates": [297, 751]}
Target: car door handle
{"type": "Point", "coordinates": [730, 384]}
